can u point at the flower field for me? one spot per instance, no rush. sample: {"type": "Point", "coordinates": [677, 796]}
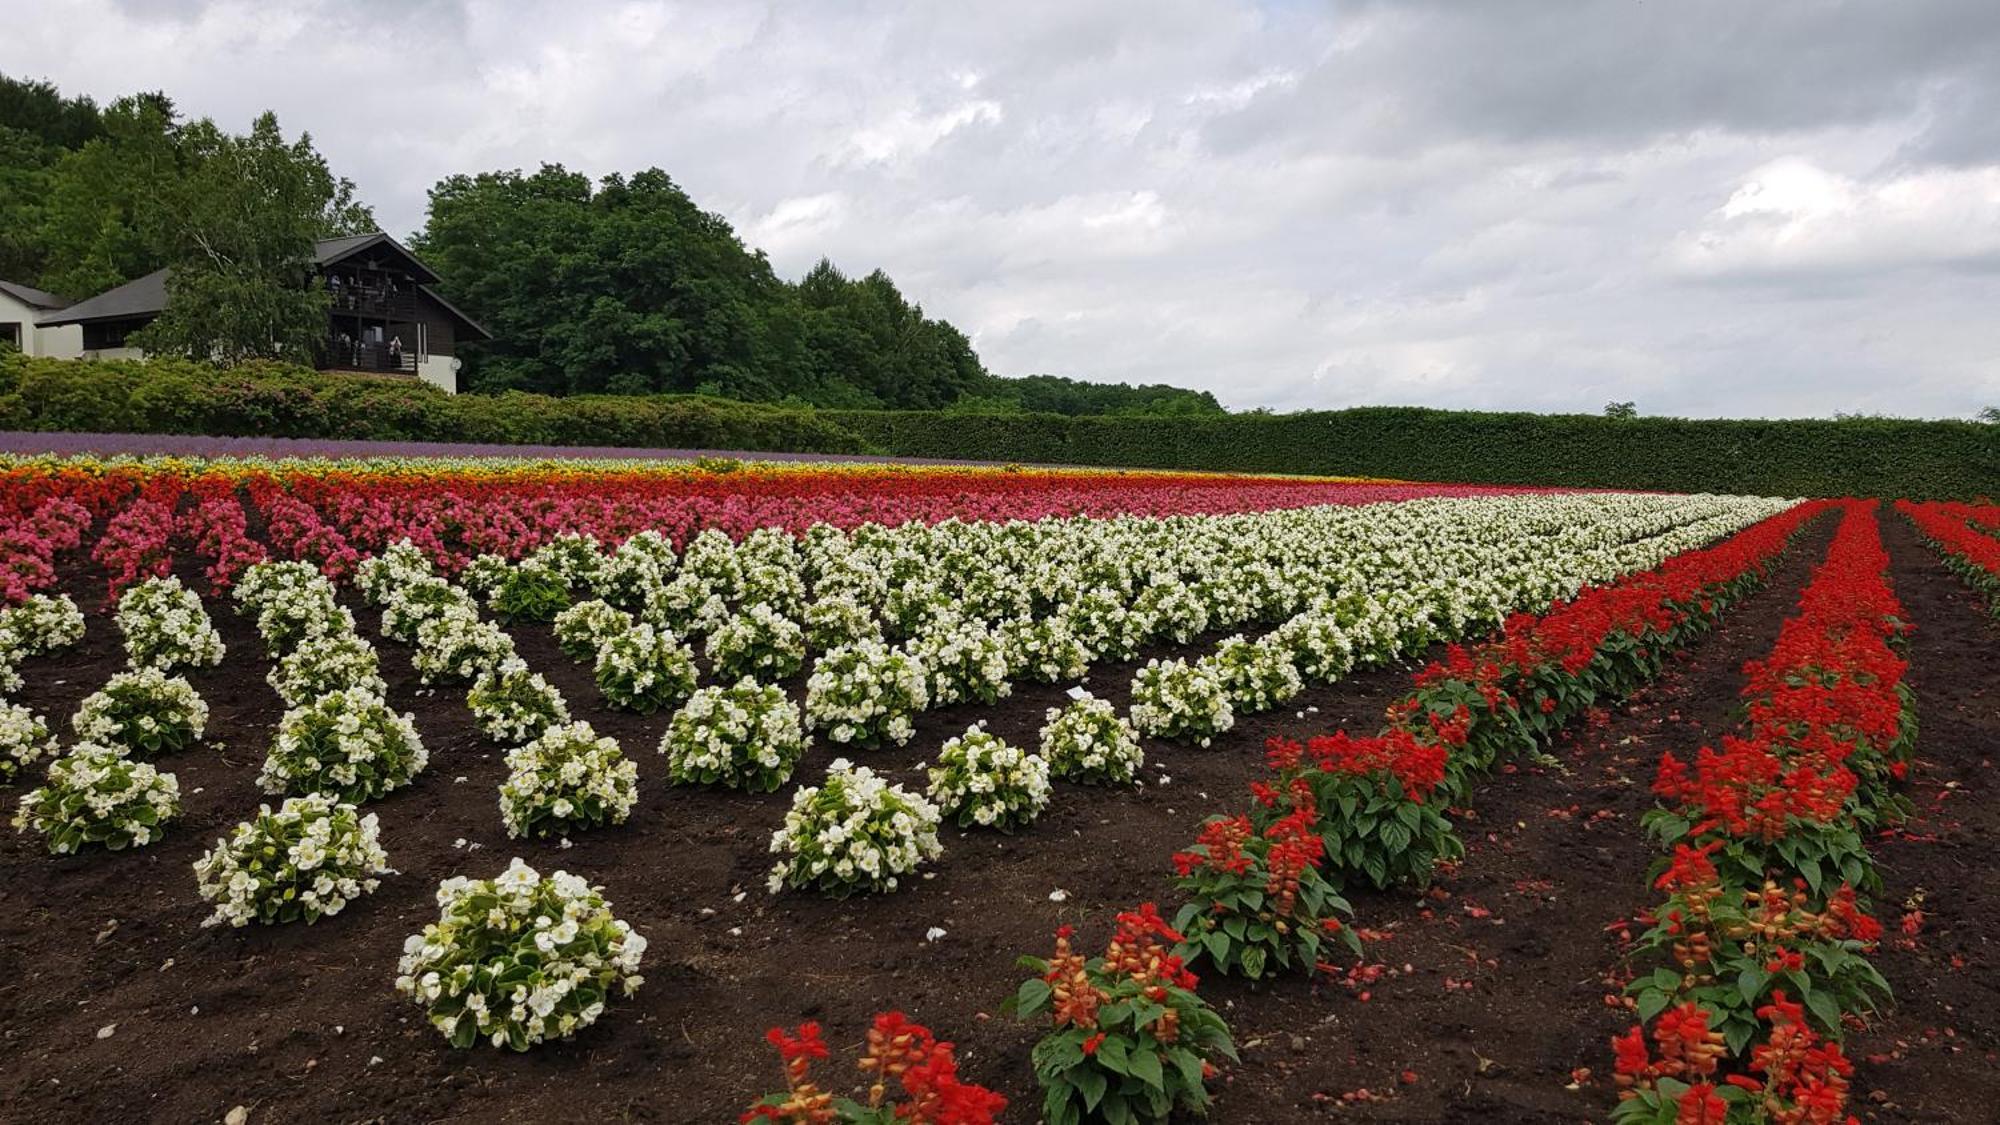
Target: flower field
{"type": "Point", "coordinates": [440, 788]}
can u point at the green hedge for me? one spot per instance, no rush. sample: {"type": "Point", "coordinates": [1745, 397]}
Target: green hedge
{"type": "Point", "coordinates": [274, 400]}
{"type": "Point", "coordinates": [1867, 457]}
{"type": "Point", "coordinates": [1874, 457]}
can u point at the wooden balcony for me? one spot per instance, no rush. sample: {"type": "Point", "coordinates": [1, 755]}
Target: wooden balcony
{"type": "Point", "coordinates": [367, 357]}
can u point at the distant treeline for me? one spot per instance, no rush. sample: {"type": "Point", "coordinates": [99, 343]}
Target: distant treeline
{"type": "Point", "coordinates": [622, 285]}
{"type": "Point", "coordinates": [1861, 457]}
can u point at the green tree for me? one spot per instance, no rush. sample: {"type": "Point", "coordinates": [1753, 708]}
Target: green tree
{"type": "Point", "coordinates": [236, 224]}
{"type": "Point", "coordinates": [1621, 411]}
{"type": "Point", "coordinates": [101, 196]}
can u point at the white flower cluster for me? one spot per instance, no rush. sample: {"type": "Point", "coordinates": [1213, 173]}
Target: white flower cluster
{"type": "Point", "coordinates": [456, 646]}
{"type": "Point", "coordinates": [839, 619]}
{"type": "Point", "coordinates": [147, 713]}
{"type": "Point", "coordinates": [981, 780]}
{"type": "Point", "coordinates": [380, 576]}
{"type": "Point", "coordinates": [97, 795]}
{"type": "Point", "coordinates": [645, 670]}
{"type": "Point", "coordinates": [514, 705]}
{"type": "Point", "coordinates": [519, 959]}
{"type": "Point", "coordinates": [576, 559]}
{"type": "Point", "coordinates": [760, 643]}
{"type": "Point", "coordinates": [854, 832]}
{"type": "Point", "coordinates": [293, 604]}
{"type": "Point", "coordinates": [1088, 741]}
{"type": "Point", "coordinates": [484, 574]}
{"type": "Point", "coordinates": [965, 660]}
{"type": "Point", "coordinates": [24, 740]}
{"type": "Point", "coordinates": [1175, 699]}
{"type": "Point", "coordinates": [328, 663]}
{"type": "Point", "coordinates": [166, 628]}
{"type": "Point", "coordinates": [308, 859]}
{"type": "Point", "coordinates": [348, 744]}
{"type": "Point", "coordinates": [583, 628]}
{"type": "Point", "coordinates": [1255, 675]}
{"type": "Point", "coordinates": [40, 625]}
{"type": "Point", "coordinates": [865, 694]}
{"type": "Point", "coordinates": [745, 737]}
{"type": "Point", "coordinates": [418, 602]}
{"type": "Point", "coordinates": [570, 777]}
{"type": "Point", "coordinates": [1044, 650]}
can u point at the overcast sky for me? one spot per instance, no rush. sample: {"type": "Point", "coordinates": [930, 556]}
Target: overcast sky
{"type": "Point", "coordinates": [1716, 208]}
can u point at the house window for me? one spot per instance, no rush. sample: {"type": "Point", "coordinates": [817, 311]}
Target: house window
{"type": "Point", "coordinates": [105, 335]}
{"type": "Point", "coordinates": [10, 333]}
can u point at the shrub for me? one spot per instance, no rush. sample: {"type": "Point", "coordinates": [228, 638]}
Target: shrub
{"type": "Point", "coordinates": [570, 777]}
{"type": "Point", "coordinates": [745, 737]}
{"type": "Point", "coordinates": [644, 670]}
{"type": "Point", "coordinates": [347, 744]}
{"type": "Point", "coordinates": [1256, 675]}
{"type": "Point", "coordinates": [1175, 699]}
{"type": "Point", "coordinates": [41, 625]}
{"type": "Point", "coordinates": [965, 660]}
{"type": "Point", "coordinates": [981, 780]}
{"type": "Point", "coordinates": [1257, 901]}
{"type": "Point", "coordinates": [852, 833]}
{"type": "Point", "coordinates": [267, 583]}
{"type": "Point", "coordinates": [1172, 611]}
{"type": "Point", "coordinates": [1088, 741]}
{"type": "Point", "coordinates": [324, 664]}
{"type": "Point", "coordinates": [147, 712]}
{"type": "Point", "coordinates": [1043, 649]}
{"type": "Point", "coordinates": [519, 959]}
{"type": "Point", "coordinates": [576, 559]}
{"type": "Point", "coordinates": [457, 646]}
{"type": "Point", "coordinates": [1377, 817]}
{"type": "Point", "coordinates": [514, 705]}
{"type": "Point", "coordinates": [866, 693]}
{"type": "Point", "coordinates": [307, 860]}
{"type": "Point", "coordinates": [411, 605]}
{"type": "Point", "coordinates": [1130, 1041]}
{"type": "Point", "coordinates": [382, 576]}
{"type": "Point", "coordinates": [484, 573]}
{"type": "Point", "coordinates": [166, 628]}
{"type": "Point", "coordinates": [97, 795]}
{"type": "Point", "coordinates": [759, 643]}
{"type": "Point", "coordinates": [24, 740]}
{"type": "Point", "coordinates": [530, 591]}
{"type": "Point", "coordinates": [309, 612]}
{"type": "Point", "coordinates": [686, 606]}
{"type": "Point", "coordinates": [1318, 645]}
{"type": "Point", "coordinates": [583, 628]}
{"type": "Point", "coordinates": [836, 620]}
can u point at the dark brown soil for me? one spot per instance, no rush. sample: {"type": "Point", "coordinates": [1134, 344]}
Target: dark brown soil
{"type": "Point", "coordinates": [303, 1022]}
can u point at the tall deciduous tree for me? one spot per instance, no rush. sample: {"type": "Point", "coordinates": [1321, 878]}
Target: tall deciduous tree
{"type": "Point", "coordinates": [237, 224]}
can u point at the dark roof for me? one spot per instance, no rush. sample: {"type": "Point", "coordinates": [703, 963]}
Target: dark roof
{"type": "Point", "coordinates": [141, 296]}
{"type": "Point", "coordinates": [146, 296]}
{"type": "Point", "coordinates": [31, 296]}
{"type": "Point", "coordinates": [331, 250]}
{"type": "Point", "coordinates": [463, 319]}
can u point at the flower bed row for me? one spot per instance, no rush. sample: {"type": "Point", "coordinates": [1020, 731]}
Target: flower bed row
{"type": "Point", "coordinates": [1760, 946]}
{"type": "Point", "coordinates": [1962, 534]}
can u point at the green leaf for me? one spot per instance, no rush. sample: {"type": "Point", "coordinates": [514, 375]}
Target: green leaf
{"type": "Point", "coordinates": [1145, 1066]}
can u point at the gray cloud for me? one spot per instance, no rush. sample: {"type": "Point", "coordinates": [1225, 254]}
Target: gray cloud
{"type": "Point", "coordinates": [1709, 207]}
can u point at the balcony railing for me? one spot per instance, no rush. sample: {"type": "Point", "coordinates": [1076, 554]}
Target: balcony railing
{"type": "Point", "coordinates": [368, 357]}
{"type": "Point", "coordinates": [357, 300]}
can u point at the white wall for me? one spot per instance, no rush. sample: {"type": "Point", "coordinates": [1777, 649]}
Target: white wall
{"type": "Point", "coordinates": [440, 371]}
{"type": "Point", "coordinates": [62, 343]}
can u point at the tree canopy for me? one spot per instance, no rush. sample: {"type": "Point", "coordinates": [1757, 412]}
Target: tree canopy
{"type": "Point", "coordinates": [622, 285]}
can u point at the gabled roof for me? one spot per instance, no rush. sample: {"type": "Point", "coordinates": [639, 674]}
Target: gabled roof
{"type": "Point", "coordinates": [31, 296]}
{"type": "Point", "coordinates": [376, 245]}
{"type": "Point", "coordinates": [141, 296]}
{"type": "Point", "coordinates": [463, 320]}
{"type": "Point", "coordinates": [146, 296]}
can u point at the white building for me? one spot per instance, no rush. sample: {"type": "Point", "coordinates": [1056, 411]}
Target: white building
{"type": "Point", "coordinates": [385, 319]}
